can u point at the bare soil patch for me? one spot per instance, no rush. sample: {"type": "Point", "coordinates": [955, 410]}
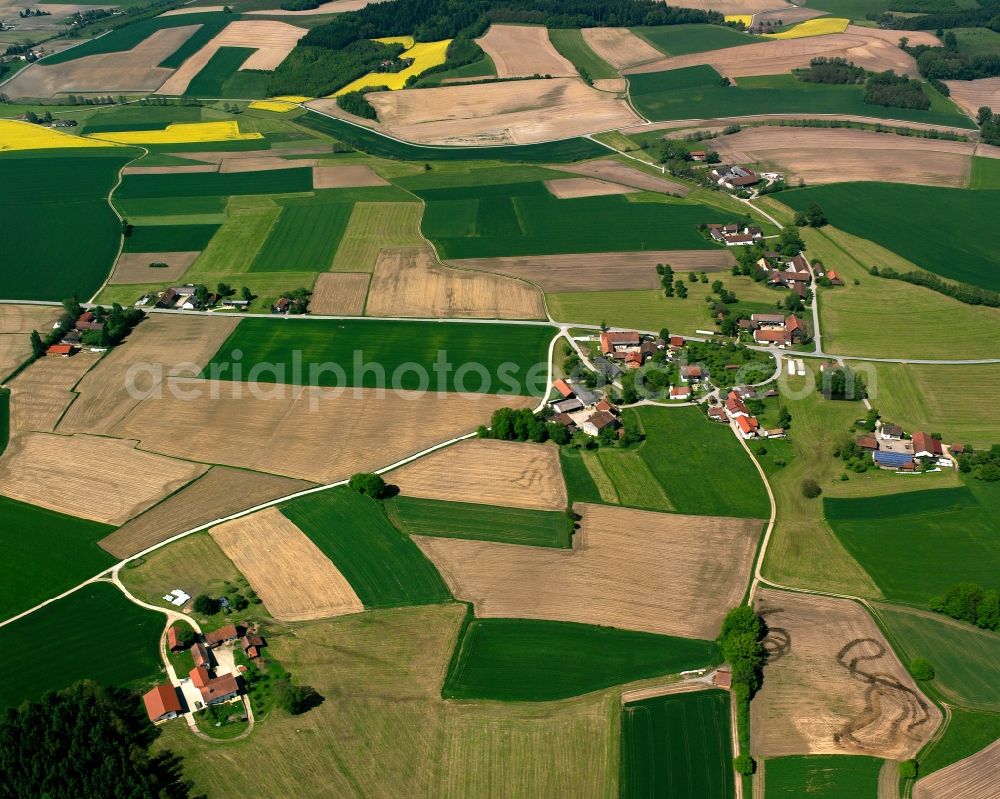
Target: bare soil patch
{"type": "Point", "coordinates": [657, 572]}
{"type": "Point", "coordinates": [16, 324]}
{"type": "Point", "coordinates": [617, 172]}
{"type": "Point", "coordinates": [176, 12]}
{"type": "Point", "coordinates": [618, 85]}
{"type": "Point", "coordinates": [972, 778]}
{"type": "Point", "coordinates": [568, 188]}
{"type": "Point", "coordinates": [971, 95]}
{"type": "Point", "coordinates": [218, 156]}
{"type": "Point", "coordinates": [333, 7]}
{"type": "Point", "coordinates": [737, 6]}
{"type": "Point", "coordinates": [343, 177]}
{"type": "Point", "coordinates": [168, 170]}
{"type": "Point", "coordinates": [524, 50]}
{"type": "Point", "coordinates": [410, 281]}
{"type": "Point", "coordinates": [601, 271]}
{"type": "Point", "coordinates": [506, 473]}
{"type": "Point", "coordinates": [42, 392]}
{"type": "Point", "coordinates": [216, 494]}
{"type": "Point", "coordinates": [132, 70]}
{"type": "Point", "coordinates": [262, 163]}
{"type": "Point", "coordinates": [307, 433]}
{"type": "Point", "coordinates": [166, 345]}
{"type": "Point", "coordinates": [134, 267]}
{"type": "Point", "coordinates": [295, 580]}
{"type": "Point", "coordinates": [820, 155]}
{"type": "Point", "coordinates": [833, 685]}
{"type": "Point", "coordinates": [512, 112]}
{"type": "Point", "coordinates": [340, 293]}
{"type": "Point", "coordinates": [620, 47]}
{"type": "Point", "coordinates": [103, 479]}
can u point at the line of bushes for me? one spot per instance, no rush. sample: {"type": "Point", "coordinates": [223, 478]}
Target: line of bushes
{"type": "Point", "coordinates": [970, 603]}
{"type": "Point", "coordinates": [970, 295]}
{"type": "Point", "coordinates": [876, 127]}
{"type": "Point", "coordinates": [741, 641]}
{"type": "Point", "coordinates": [881, 88]}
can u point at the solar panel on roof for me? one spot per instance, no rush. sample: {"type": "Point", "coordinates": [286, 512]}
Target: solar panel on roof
{"type": "Point", "coordinates": [892, 458]}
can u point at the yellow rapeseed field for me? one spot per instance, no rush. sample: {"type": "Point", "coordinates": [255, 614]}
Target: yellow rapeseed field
{"type": "Point", "coordinates": [15, 135]}
{"type": "Point", "coordinates": [424, 54]}
{"type": "Point", "coordinates": [281, 104]}
{"type": "Point", "coordinates": [746, 19]}
{"type": "Point", "coordinates": [180, 133]}
{"type": "Point", "coordinates": [813, 27]}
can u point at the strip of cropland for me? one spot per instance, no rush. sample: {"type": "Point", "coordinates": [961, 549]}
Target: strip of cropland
{"type": "Point", "coordinates": [169, 238]}
{"type": "Point", "coordinates": [677, 746]}
{"type": "Point", "coordinates": [535, 660]}
{"type": "Point", "coordinates": [215, 184]}
{"type": "Point", "coordinates": [487, 358]}
{"type": "Point", "coordinates": [822, 776]}
{"type": "Point", "coordinates": [685, 39]}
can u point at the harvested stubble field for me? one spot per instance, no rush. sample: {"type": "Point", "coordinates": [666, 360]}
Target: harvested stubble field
{"type": "Point", "coordinates": [620, 47]}
{"type": "Point", "coordinates": [971, 95]}
{"type": "Point", "coordinates": [601, 271]}
{"type": "Point", "coordinates": [412, 282]}
{"type": "Point", "coordinates": [833, 685]}
{"type": "Point", "coordinates": [300, 432]}
{"type": "Point", "coordinates": [570, 188]}
{"type": "Point", "coordinates": [262, 163]}
{"type": "Point", "coordinates": [617, 172]}
{"type": "Point", "coordinates": [346, 176]}
{"type": "Point", "coordinates": [216, 494]}
{"type": "Point", "coordinates": [41, 393]}
{"type": "Point", "coordinates": [661, 573]}
{"type": "Point", "coordinates": [521, 51]}
{"type": "Point", "coordinates": [506, 473]}
{"type": "Point", "coordinates": [134, 267]}
{"type": "Point", "coordinates": [115, 483]}
{"type": "Point", "coordinates": [295, 580]}
{"type": "Point", "coordinates": [972, 778]}
{"type": "Point", "coordinates": [511, 112]}
{"type": "Point", "coordinates": [166, 344]}
{"type": "Point", "coordinates": [340, 293]}
{"type": "Point", "coordinates": [818, 155]}
{"type": "Point", "coordinates": [16, 324]}
{"type": "Point", "coordinates": [373, 226]}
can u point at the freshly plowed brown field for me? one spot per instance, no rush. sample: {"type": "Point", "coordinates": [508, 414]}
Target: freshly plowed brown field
{"type": "Point", "coordinates": [658, 572]}
{"type": "Point", "coordinates": [833, 685]}
{"type": "Point", "coordinates": [16, 324]}
{"type": "Point", "coordinates": [103, 479]}
{"type": "Point", "coordinates": [601, 271]}
{"type": "Point", "coordinates": [348, 176]}
{"type": "Point", "coordinates": [522, 51]}
{"type": "Point", "coordinates": [216, 494]}
{"type": "Point", "coordinates": [617, 172]}
{"type": "Point", "coordinates": [972, 778]}
{"type": "Point", "coordinates": [290, 574]}
{"type": "Point", "coordinates": [41, 393]}
{"type": "Point", "coordinates": [510, 112]}
{"type": "Point", "coordinates": [570, 188]}
{"type": "Point", "coordinates": [307, 433]}
{"type": "Point", "coordinates": [820, 155]}
{"type": "Point", "coordinates": [488, 472]}
{"type": "Point", "coordinates": [340, 293]}
{"type": "Point", "coordinates": [620, 47]}
{"type": "Point", "coordinates": [971, 95]}
{"type": "Point", "coordinates": [164, 344]}
{"type": "Point", "coordinates": [410, 281]}
{"type": "Point", "coordinates": [134, 267]}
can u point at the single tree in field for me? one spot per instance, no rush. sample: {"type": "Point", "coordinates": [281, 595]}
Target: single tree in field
{"type": "Point", "coordinates": [37, 345]}
{"type": "Point", "coordinates": [368, 483]}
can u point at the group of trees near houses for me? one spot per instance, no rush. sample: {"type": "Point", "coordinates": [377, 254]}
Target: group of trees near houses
{"type": "Point", "coordinates": [982, 465]}
{"type": "Point", "coordinates": [970, 603]}
{"type": "Point", "coordinates": [841, 383]}
{"type": "Point", "coordinates": [118, 323]}
{"type": "Point", "coordinates": [989, 125]}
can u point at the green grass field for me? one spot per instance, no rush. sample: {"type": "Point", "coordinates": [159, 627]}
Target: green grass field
{"type": "Point", "coordinates": [60, 238]}
{"type": "Point", "coordinates": [634, 482]}
{"type": "Point", "coordinates": [977, 41]}
{"type": "Point", "coordinates": [93, 634]}
{"type": "Point", "coordinates": [305, 238]}
{"type": "Point", "coordinates": [170, 238]}
{"type": "Point", "coordinates": [541, 528]}
{"type": "Point", "coordinates": [525, 219]}
{"type": "Point", "coordinates": [685, 39]}
{"type": "Point", "coordinates": [274, 181]}
{"type": "Point", "coordinates": [387, 347]}
{"type": "Point", "coordinates": [534, 661]}
{"type": "Point", "coordinates": [697, 93]}
{"type": "Point", "coordinates": [822, 777]}
{"type": "Point", "coordinates": [948, 536]}
{"type": "Point", "coordinates": [220, 76]}
{"type": "Point", "coordinates": [940, 232]}
{"type": "Point", "coordinates": [964, 656]}
{"type": "Point", "coordinates": [968, 732]}
{"type": "Point", "coordinates": [385, 568]}
{"type": "Point", "coordinates": [985, 173]}
{"type": "Point", "coordinates": [677, 747]}
{"type": "Point", "coordinates": [30, 536]}
{"type": "Point", "coordinates": [570, 44]}
{"type": "Point", "coordinates": [140, 117]}
{"type": "Point", "coordinates": [580, 485]}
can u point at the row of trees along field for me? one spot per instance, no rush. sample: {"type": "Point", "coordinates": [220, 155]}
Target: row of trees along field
{"type": "Point", "coordinates": [319, 65]}
{"type": "Point", "coordinates": [881, 88]}
{"type": "Point", "coordinates": [949, 63]}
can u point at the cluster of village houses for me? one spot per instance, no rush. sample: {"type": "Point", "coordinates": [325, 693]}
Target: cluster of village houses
{"type": "Point", "coordinates": [209, 682]}
{"type": "Point", "coordinates": [774, 329]}
{"type": "Point", "coordinates": [734, 412]}
{"type": "Point", "coordinates": [71, 342]}
{"type": "Point", "coordinates": [182, 298]}
{"type": "Point", "coordinates": [891, 448]}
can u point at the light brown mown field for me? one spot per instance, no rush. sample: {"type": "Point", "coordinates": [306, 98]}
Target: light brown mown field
{"type": "Point", "coordinates": [972, 778]}
{"type": "Point", "coordinates": [263, 163]}
{"type": "Point", "coordinates": [381, 672]}
{"type": "Point", "coordinates": [788, 15]}
{"type": "Point", "coordinates": [290, 574]}
{"type": "Point", "coordinates": [601, 271]}
{"type": "Point", "coordinates": [307, 433]}
{"type": "Point", "coordinates": [218, 157]}
{"type": "Point", "coordinates": [103, 479]}
{"type": "Point", "coordinates": [340, 293]}
{"type": "Point", "coordinates": [134, 267]}
{"type": "Point", "coordinates": [164, 343]}
{"type": "Point", "coordinates": [522, 51]}
{"type": "Point", "coordinates": [506, 473]}
{"type": "Point", "coordinates": [736, 6]}
{"type": "Point", "coordinates": [40, 394]}
{"type": "Point", "coordinates": [638, 570]}
{"type": "Point", "coordinates": [569, 188]}
{"type": "Point", "coordinates": [620, 47]}
{"type": "Point", "coordinates": [833, 685]}
{"type": "Point", "coordinates": [617, 172]}
{"type": "Point", "coordinates": [16, 324]}
{"type": "Point", "coordinates": [373, 226]}
{"type": "Point", "coordinates": [410, 281]}
{"type": "Point", "coordinates": [774, 57]}
{"type": "Point", "coordinates": [511, 112]}
{"type": "Point", "coordinates": [332, 7]}
{"type": "Point", "coordinates": [131, 70]}
{"type": "Point", "coordinates": [971, 95]}
{"type": "Point", "coordinates": [341, 177]}
{"type": "Point", "coordinates": [216, 494]}
{"type": "Point", "coordinates": [821, 156]}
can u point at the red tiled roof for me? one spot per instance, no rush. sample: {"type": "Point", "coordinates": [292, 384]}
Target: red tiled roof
{"type": "Point", "coordinates": [868, 442]}
{"type": "Point", "coordinates": [199, 676]}
{"type": "Point", "coordinates": [691, 371]}
{"type": "Point", "coordinates": [563, 388]}
{"type": "Point", "coordinates": [717, 413]}
{"type": "Point", "coordinates": [922, 442]}
{"type": "Point", "coordinates": [172, 641]}
{"type": "Point", "coordinates": [59, 349]}
{"type": "Point", "coordinates": [678, 392]}
{"type": "Point", "coordinates": [222, 634]}
{"type": "Point", "coordinates": [601, 419]}
{"type": "Point", "coordinates": [223, 685]}
{"type": "Point", "coordinates": [161, 700]}
{"type": "Point", "coordinates": [677, 341]}
{"type": "Point", "coordinates": [747, 423]}
{"type": "Point", "coordinates": [958, 449]}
